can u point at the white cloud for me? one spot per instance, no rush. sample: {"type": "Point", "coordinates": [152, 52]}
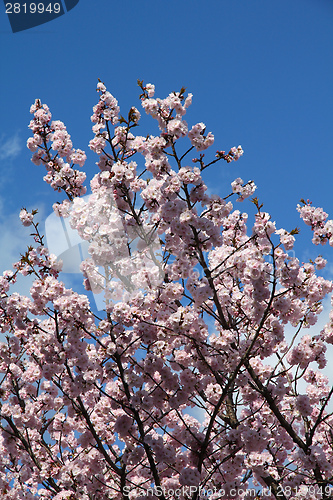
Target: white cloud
{"type": "Point", "coordinates": [10, 147]}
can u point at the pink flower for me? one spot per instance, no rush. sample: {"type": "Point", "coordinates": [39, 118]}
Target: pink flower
{"type": "Point", "coordinates": [26, 217]}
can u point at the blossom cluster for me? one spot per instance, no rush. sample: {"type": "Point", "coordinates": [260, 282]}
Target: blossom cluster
{"type": "Point", "coordinates": [316, 218]}
{"type": "Point", "coordinates": [52, 135]}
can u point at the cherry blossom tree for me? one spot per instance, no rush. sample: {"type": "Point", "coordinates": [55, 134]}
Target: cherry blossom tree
{"type": "Point", "coordinates": [185, 385]}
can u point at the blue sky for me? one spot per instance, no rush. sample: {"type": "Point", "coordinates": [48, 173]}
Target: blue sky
{"type": "Point", "coordinates": [261, 73]}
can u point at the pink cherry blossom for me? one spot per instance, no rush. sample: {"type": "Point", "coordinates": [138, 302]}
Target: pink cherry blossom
{"type": "Point", "coordinates": [187, 377]}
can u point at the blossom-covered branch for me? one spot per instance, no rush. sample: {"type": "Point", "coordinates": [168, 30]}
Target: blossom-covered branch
{"type": "Point", "coordinates": [186, 381]}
